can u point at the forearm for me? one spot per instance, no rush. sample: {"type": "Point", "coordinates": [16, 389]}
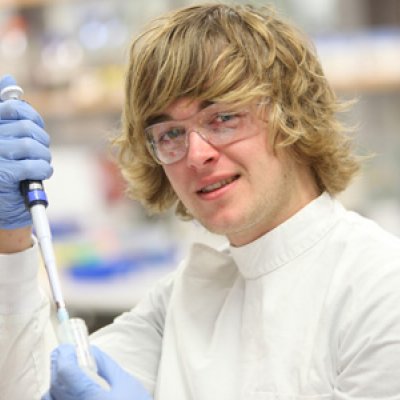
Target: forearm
{"type": "Point", "coordinates": [26, 335]}
{"type": "Point", "coordinates": [26, 341]}
{"type": "Point", "coordinates": [135, 338]}
{"type": "Point", "coordinates": [15, 240]}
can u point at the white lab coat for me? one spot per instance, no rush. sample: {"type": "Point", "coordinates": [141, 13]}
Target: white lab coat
{"type": "Point", "coordinates": [309, 311]}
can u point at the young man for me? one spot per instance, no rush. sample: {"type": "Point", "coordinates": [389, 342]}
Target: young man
{"type": "Point", "coordinates": [228, 117]}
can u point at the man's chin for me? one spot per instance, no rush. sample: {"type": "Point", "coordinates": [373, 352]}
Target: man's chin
{"type": "Point", "coordinates": [218, 226]}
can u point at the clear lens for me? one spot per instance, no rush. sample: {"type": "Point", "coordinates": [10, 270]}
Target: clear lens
{"type": "Point", "coordinates": [218, 124]}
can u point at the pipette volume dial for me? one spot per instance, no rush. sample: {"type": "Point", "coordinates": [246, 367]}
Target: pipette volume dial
{"type": "Point", "coordinates": [33, 192]}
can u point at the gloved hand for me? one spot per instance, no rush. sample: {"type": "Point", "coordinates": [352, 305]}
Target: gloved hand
{"type": "Point", "coordinates": [24, 154]}
{"type": "Point", "coordinates": [69, 382]}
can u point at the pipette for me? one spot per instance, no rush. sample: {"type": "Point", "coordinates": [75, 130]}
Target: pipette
{"type": "Point", "coordinates": [70, 330]}
{"type": "Point", "coordinates": [36, 200]}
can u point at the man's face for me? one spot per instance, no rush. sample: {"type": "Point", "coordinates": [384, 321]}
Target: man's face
{"type": "Point", "coordinates": [242, 189]}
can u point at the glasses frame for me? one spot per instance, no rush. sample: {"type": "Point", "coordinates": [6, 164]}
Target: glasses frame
{"type": "Point", "coordinates": [195, 123]}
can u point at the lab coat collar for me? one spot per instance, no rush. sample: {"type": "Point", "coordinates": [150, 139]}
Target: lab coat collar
{"type": "Point", "coordinates": [289, 240]}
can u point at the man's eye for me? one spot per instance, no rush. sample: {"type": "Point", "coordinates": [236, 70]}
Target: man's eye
{"type": "Point", "coordinates": [172, 134]}
{"type": "Point", "coordinates": [225, 117]}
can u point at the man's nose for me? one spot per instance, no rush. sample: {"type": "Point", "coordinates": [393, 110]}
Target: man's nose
{"type": "Point", "coordinates": [200, 152]}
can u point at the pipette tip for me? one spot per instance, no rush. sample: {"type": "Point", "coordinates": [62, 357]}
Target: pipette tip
{"type": "Point", "coordinates": [62, 315]}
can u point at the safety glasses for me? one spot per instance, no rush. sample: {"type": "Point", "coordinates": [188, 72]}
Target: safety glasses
{"type": "Point", "coordinates": [218, 124]}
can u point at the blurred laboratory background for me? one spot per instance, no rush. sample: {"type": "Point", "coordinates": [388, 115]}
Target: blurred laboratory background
{"type": "Point", "coordinates": [70, 56]}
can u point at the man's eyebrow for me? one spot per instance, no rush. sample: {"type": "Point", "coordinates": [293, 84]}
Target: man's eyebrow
{"type": "Point", "coordinates": [158, 118]}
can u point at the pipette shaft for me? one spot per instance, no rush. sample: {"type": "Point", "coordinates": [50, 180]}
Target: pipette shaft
{"type": "Point", "coordinates": [36, 200]}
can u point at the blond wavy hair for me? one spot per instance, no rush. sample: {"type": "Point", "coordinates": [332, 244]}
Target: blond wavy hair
{"type": "Point", "coordinates": [231, 53]}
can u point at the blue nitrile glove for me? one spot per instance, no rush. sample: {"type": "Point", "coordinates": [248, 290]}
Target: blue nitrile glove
{"type": "Point", "coordinates": [24, 154]}
{"type": "Point", "coordinates": [69, 382]}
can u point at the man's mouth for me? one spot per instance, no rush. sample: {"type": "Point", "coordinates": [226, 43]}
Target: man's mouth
{"type": "Point", "coordinates": [218, 185]}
